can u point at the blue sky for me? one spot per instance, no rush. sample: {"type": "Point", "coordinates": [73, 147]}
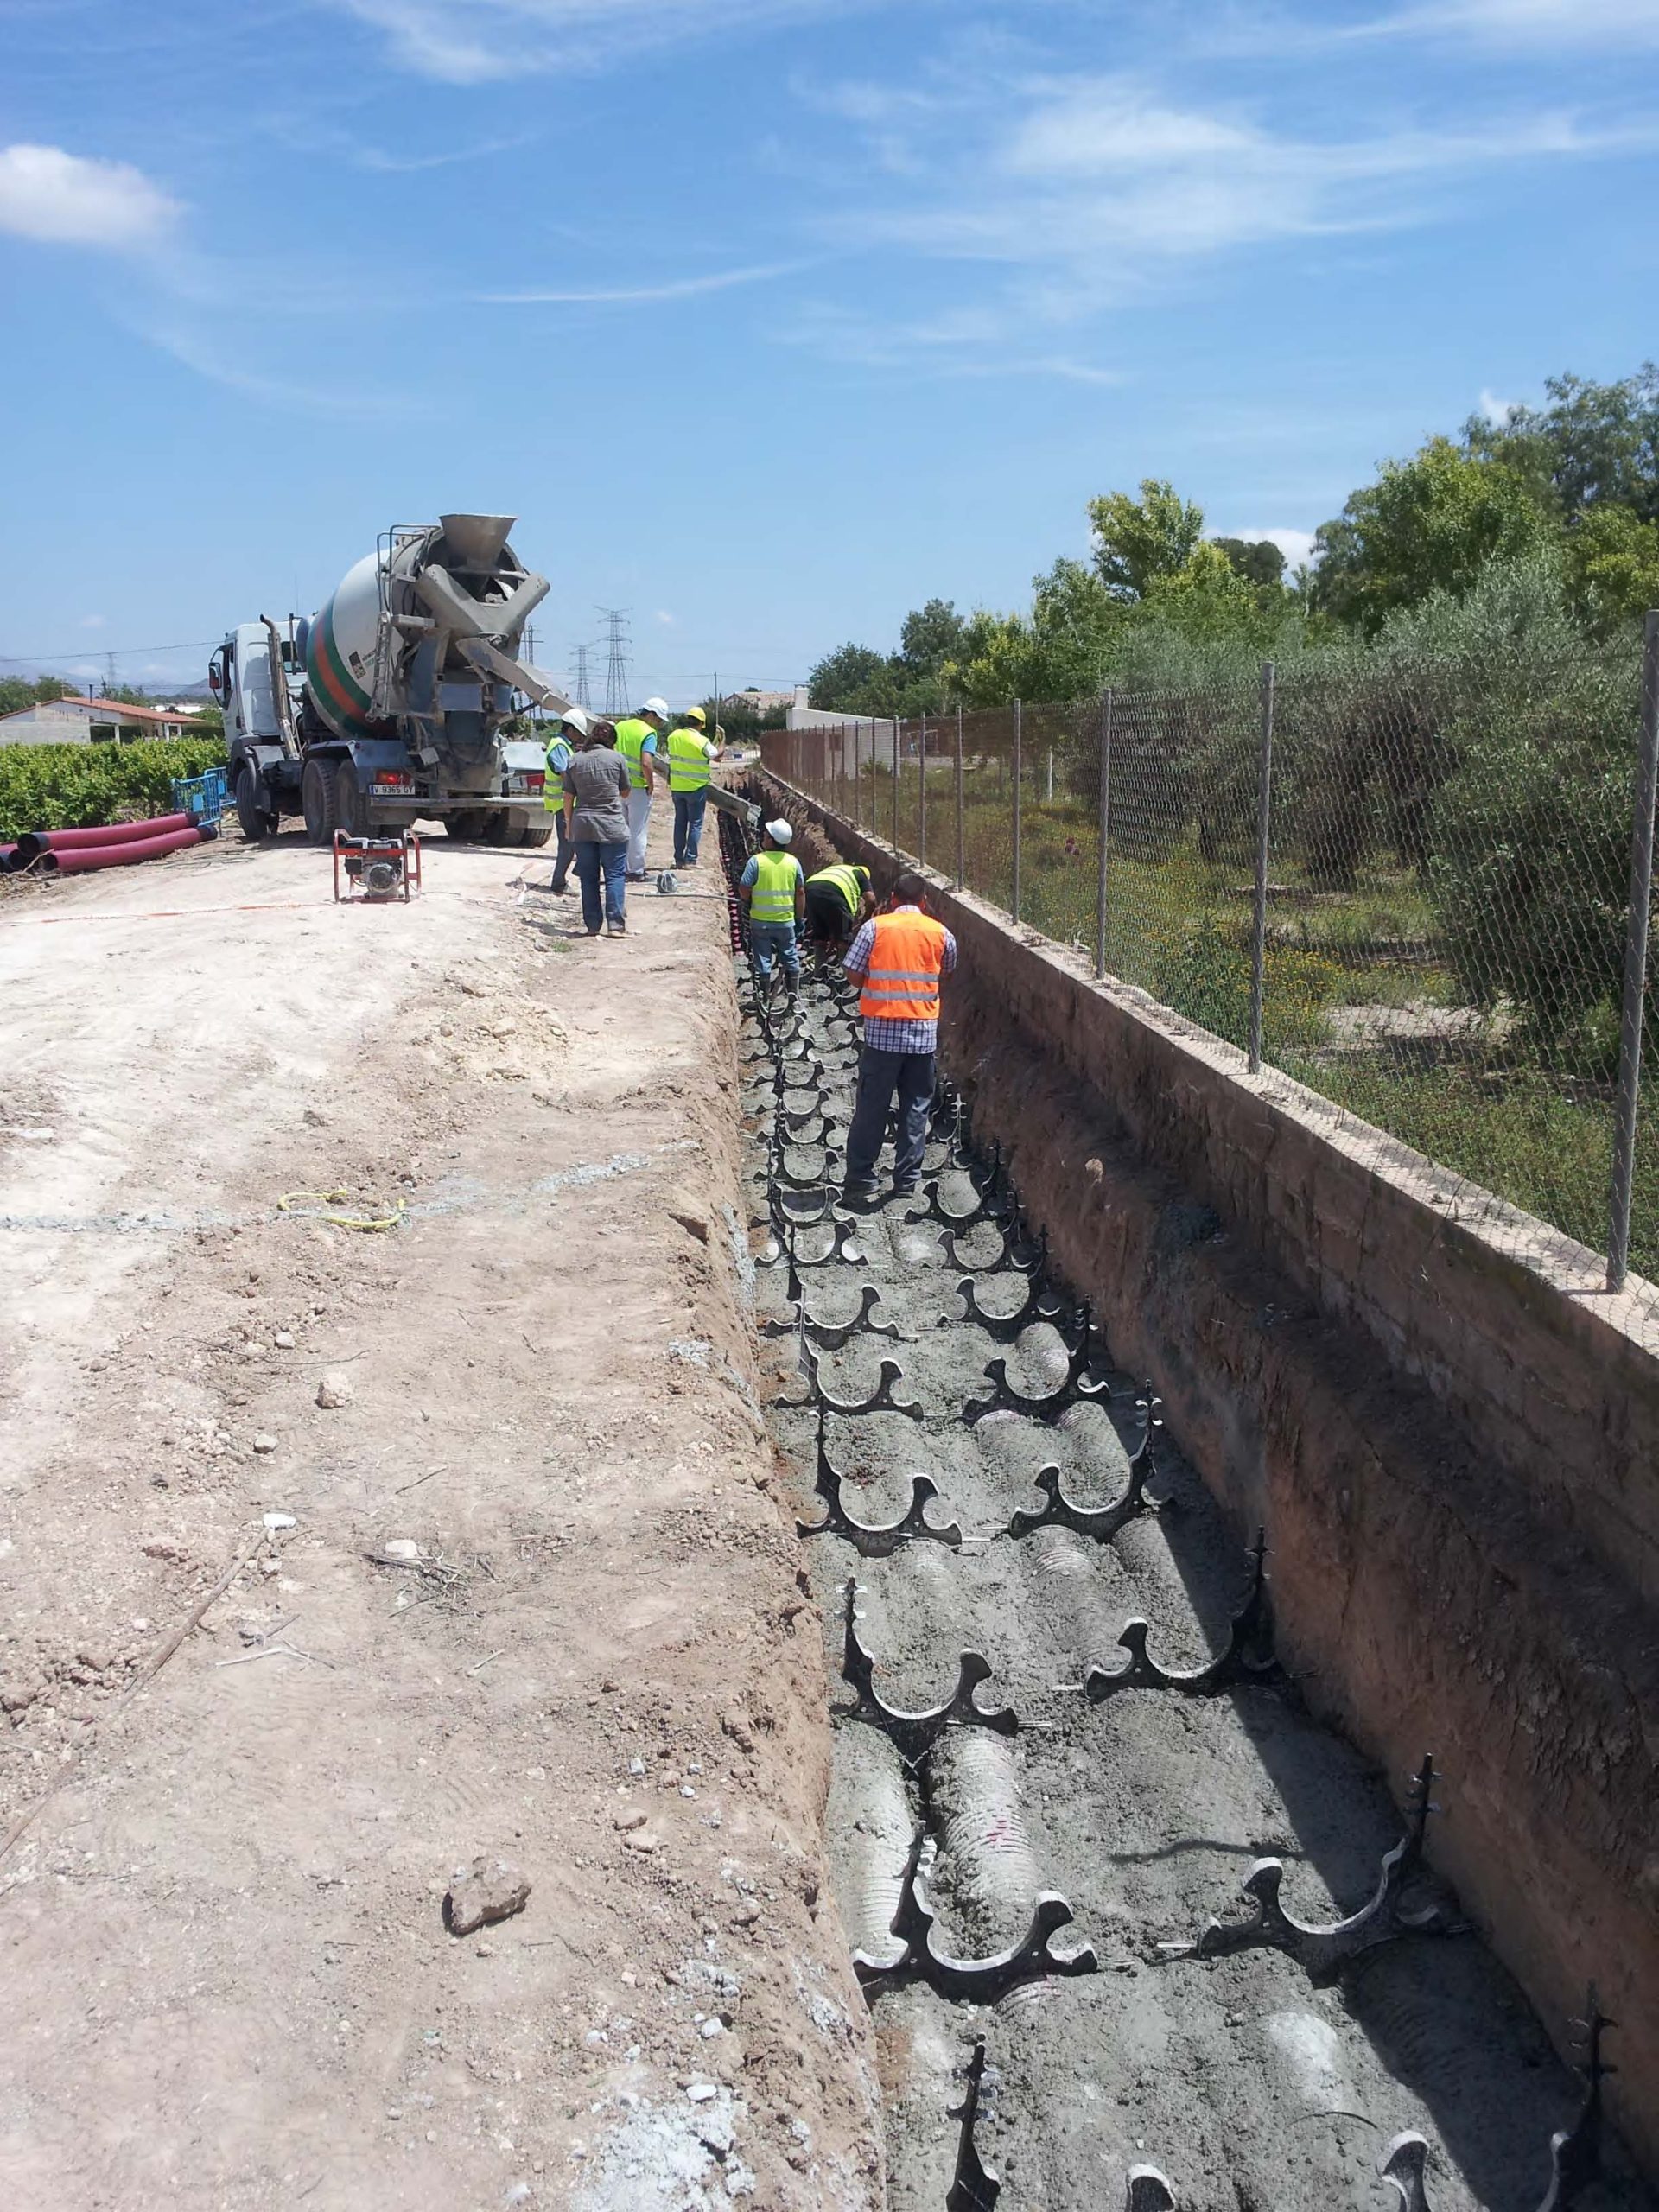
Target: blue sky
{"type": "Point", "coordinates": [771, 318]}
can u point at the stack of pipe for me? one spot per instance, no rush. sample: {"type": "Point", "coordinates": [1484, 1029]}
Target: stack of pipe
{"type": "Point", "coordinates": [117, 844]}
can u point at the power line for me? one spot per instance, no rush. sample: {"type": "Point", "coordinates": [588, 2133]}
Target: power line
{"type": "Point", "coordinates": [617, 641]}
{"type": "Point", "coordinates": [121, 652]}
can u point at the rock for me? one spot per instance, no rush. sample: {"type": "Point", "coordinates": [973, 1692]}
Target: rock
{"type": "Point", "coordinates": [625, 1822]}
{"type": "Point", "coordinates": [643, 1843]}
{"type": "Point", "coordinates": [313, 1119]}
{"type": "Point", "coordinates": [95, 1656]}
{"type": "Point", "coordinates": [335, 1388]}
{"type": "Point", "coordinates": [16, 1696]}
{"type": "Point", "coordinates": [745, 1916]}
{"type": "Point", "coordinates": [254, 1351]}
{"type": "Point", "coordinates": [487, 1890]}
{"type": "Point", "coordinates": [283, 1340]}
{"type": "Point", "coordinates": [264, 1444]}
{"type": "Point", "coordinates": [276, 1520]}
{"type": "Point", "coordinates": [713, 2026]}
{"type": "Point", "coordinates": [401, 1548]}
{"type": "Point", "coordinates": [700, 2092]}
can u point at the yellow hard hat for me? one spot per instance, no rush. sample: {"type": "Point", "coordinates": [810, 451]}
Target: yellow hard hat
{"type": "Point", "coordinates": [696, 715]}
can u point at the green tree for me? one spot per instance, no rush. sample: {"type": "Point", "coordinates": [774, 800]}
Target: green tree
{"type": "Point", "coordinates": [1613, 565]}
{"type": "Point", "coordinates": [1429, 524]}
{"type": "Point", "coordinates": [1594, 444]}
{"type": "Point", "coordinates": [852, 680]}
{"type": "Point", "coordinates": [17, 692]}
{"type": "Point", "coordinates": [1137, 541]}
{"type": "Point", "coordinates": [1258, 560]}
{"type": "Point", "coordinates": [931, 636]}
{"type": "Point", "coordinates": [1062, 650]}
{"type": "Point", "coordinates": [1208, 600]}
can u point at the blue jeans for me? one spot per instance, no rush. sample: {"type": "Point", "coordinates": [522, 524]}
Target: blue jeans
{"type": "Point", "coordinates": [688, 825]}
{"type": "Point", "coordinates": [612, 858]}
{"type": "Point", "coordinates": [770, 941]}
{"type": "Point", "coordinates": [880, 1075]}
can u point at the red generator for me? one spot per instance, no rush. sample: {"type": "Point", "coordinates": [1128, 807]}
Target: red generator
{"type": "Point", "coordinates": [374, 871]}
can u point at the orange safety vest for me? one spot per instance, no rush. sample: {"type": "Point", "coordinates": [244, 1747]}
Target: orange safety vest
{"type": "Point", "coordinates": [903, 982]}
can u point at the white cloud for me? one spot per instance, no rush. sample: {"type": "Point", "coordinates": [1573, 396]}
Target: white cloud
{"type": "Point", "coordinates": [202, 355]}
{"type": "Point", "coordinates": [63, 198]}
{"type": "Point", "coordinates": [473, 41]}
{"type": "Point", "coordinates": [1093, 185]}
{"type": "Point", "coordinates": [92, 622]}
{"type": "Point", "coordinates": [957, 345]}
{"type": "Point", "coordinates": [1497, 411]}
{"type": "Point", "coordinates": [665, 618]}
{"type": "Point", "coordinates": [1598, 23]}
{"type": "Point", "coordinates": [679, 288]}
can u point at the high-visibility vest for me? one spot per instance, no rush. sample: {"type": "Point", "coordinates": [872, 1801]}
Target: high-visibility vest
{"type": "Point", "coordinates": [772, 896]}
{"type": "Point", "coordinates": [851, 882]}
{"type": "Point", "coordinates": [560, 754]}
{"type": "Point", "coordinates": [688, 759]}
{"type": "Point", "coordinates": [630, 736]}
{"type": "Point", "coordinates": [902, 984]}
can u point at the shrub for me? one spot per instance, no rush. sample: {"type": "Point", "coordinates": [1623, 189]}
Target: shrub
{"type": "Point", "coordinates": [82, 786]}
{"type": "Point", "coordinates": [1204, 974]}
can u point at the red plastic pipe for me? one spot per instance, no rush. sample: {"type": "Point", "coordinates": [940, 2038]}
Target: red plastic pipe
{"type": "Point", "coordinates": [36, 842]}
{"type": "Point", "coordinates": [78, 859]}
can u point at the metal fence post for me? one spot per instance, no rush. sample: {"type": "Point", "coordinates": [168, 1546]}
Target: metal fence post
{"type": "Point", "coordinates": [898, 760]}
{"type": "Point", "coordinates": [961, 854]}
{"type": "Point", "coordinates": [1264, 823]}
{"type": "Point", "coordinates": [1635, 967]}
{"type": "Point", "coordinates": [1102, 876]}
{"type": "Point", "coordinates": [921, 797]}
{"type": "Point", "coordinates": [1018, 725]}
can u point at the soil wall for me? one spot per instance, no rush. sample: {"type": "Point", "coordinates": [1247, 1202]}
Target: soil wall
{"type": "Point", "coordinates": [1456, 1460]}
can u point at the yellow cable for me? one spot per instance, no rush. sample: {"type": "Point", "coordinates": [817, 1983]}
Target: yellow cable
{"type": "Point", "coordinates": [331, 1198]}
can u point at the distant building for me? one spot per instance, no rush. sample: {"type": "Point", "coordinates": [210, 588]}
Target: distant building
{"type": "Point", "coordinates": [761, 702]}
{"type": "Point", "coordinates": [801, 717]}
{"type": "Point", "coordinates": [93, 721]}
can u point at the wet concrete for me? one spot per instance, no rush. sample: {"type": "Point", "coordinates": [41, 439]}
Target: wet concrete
{"type": "Point", "coordinates": [1249, 2085]}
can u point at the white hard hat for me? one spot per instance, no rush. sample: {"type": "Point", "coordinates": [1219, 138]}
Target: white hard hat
{"type": "Point", "coordinates": [780, 833]}
{"type": "Point", "coordinates": [578, 719]}
{"type": "Point", "coordinates": [657, 707]}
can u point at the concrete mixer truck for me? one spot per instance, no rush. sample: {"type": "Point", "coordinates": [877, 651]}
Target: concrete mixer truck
{"type": "Point", "coordinates": [387, 704]}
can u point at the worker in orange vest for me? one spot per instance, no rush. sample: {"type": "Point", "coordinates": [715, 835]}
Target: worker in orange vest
{"type": "Point", "coordinates": [899, 957]}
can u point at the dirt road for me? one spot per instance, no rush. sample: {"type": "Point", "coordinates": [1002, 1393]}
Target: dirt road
{"type": "Point", "coordinates": [228, 1978]}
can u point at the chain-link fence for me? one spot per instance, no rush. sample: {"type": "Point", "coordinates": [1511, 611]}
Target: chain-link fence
{"type": "Point", "coordinates": [1411, 888]}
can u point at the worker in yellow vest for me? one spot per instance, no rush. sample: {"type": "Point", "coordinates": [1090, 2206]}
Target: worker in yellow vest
{"type": "Point", "coordinates": [837, 898]}
{"type": "Point", "coordinates": [899, 957]}
{"type": "Point", "coordinates": [638, 737]}
{"type": "Point", "coordinates": [689, 754]}
{"type": "Point", "coordinates": [573, 729]}
{"type": "Point", "coordinates": [773, 888]}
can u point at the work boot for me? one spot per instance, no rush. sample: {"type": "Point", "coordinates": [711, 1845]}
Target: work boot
{"type": "Point", "coordinates": [616, 929]}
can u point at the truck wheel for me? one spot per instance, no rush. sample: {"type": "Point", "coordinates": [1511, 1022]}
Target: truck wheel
{"type": "Point", "coordinates": [351, 802]}
{"type": "Point", "coordinates": [537, 833]}
{"type": "Point", "coordinates": [467, 825]}
{"type": "Point", "coordinates": [256, 819]}
{"type": "Point", "coordinates": [318, 803]}
{"type": "Point", "coordinates": [498, 827]}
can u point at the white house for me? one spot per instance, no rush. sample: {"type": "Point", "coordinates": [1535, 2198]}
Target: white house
{"type": "Point", "coordinates": [93, 721]}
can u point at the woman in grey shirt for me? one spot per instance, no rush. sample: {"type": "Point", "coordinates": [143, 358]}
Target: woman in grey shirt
{"type": "Point", "coordinates": [596, 787]}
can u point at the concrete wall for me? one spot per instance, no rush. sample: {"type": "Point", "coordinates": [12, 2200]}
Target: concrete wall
{"type": "Point", "coordinates": [1456, 1457]}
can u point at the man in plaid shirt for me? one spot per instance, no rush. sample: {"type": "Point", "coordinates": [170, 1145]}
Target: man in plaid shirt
{"type": "Point", "coordinates": [899, 957]}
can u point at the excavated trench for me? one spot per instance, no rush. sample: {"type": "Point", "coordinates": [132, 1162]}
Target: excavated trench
{"type": "Point", "coordinates": [1136, 1929]}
